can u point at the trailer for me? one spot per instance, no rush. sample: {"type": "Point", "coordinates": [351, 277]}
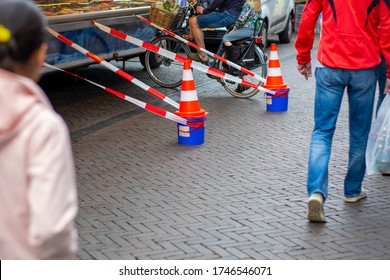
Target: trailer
{"type": "Point", "coordinates": [72, 19]}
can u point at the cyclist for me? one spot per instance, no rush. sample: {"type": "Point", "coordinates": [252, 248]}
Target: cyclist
{"type": "Point", "coordinates": [220, 13]}
{"type": "Point", "coordinates": [244, 27]}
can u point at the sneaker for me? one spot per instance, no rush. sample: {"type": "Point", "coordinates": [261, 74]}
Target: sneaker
{"type": "Point", "coordinates": [360, 196]}
{"type": "Point", "coordinates": [315, 208]}
{"type": "Point", "coordinates": [196, 57]}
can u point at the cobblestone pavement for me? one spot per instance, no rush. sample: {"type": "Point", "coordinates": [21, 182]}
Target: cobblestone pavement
{"type": "Point", "coordinates": [240, 195]}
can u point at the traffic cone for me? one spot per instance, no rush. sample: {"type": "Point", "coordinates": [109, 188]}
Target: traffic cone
{"type": "Point", "coordinates": [274, 79]}
{"type": "Point", "coordinates": [277, 102]}
{"type": "Point", "coordinates": [189, 108]}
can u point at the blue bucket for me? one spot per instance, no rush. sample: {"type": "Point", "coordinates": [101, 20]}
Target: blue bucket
{"type": "Point", "coordinates": [191, 135]}
{"type": "Point", "coordinates": [277, 102]}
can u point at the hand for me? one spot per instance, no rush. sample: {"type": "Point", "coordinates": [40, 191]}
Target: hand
{"type": "Point", "coordinates": [387, 86]}
{"type": "Point", "coordinates": [305, 70]}
{"type": "Point", "coordinates": [199, 10]}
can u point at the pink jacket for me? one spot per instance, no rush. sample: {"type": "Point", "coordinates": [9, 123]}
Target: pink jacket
{"type": "Point", "coordinates": [38, 196]}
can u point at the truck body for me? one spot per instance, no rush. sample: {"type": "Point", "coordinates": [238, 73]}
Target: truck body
{"type": "Point", "coordinates": [77, 27]}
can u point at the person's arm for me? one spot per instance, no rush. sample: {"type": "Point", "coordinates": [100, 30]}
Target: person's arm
{"type": "Point", "coordinates": [387, 86]}
{"type": "Point", "coordinates": [257, 5]}
{"type": "Point", "coordinates": [215, 4]}
{"type": "Point", "coordinates": [305, 38]}
{"type": "Point", "coordinates": [199, 7]}
{"type": "Point", "coordinates": [52, 194]}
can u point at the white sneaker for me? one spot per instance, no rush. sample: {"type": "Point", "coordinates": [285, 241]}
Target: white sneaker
{"type": "Point", "coordinates": [360, 196]}
{"type": "Point", "coordinates": [315, 206]}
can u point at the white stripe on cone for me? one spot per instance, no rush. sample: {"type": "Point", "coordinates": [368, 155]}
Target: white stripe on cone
{"type": "Point", "coordinates": [187, 75]}
{"type": "Point", "coordinates": [273, 55]}
{"type": "Point", "coordinates": [188, 95]}
{"type": "Point", "coordinates": [274, 72]}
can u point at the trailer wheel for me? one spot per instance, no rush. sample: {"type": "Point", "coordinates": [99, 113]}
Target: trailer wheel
{"type": "Point", "coordinates": [142, 59]}
{"type": "Point", "coordinates": [152, 60]}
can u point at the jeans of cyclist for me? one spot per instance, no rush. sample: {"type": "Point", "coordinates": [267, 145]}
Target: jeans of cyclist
{"type": "Point", "coordinates": [216, 19]}
{"type": "Point", "coordinates": [330, 87]}
{"type": "Point", "coordinates": [238, 34]}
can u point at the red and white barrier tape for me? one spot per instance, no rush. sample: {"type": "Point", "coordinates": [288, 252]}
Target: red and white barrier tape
{"type": "Point", "coordinates": [146, 106]}
{"type": "Point", "coordinates": [114, 69]}
{"type": "Point", "coordinates": [179, 58]}
{"type": "Point", "coordinates": [228, 62]}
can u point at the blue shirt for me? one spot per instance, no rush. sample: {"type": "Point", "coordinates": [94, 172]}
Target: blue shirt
{"type": "Point", "coordinates": [232, 6]}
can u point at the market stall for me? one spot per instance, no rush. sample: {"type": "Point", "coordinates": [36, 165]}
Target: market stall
{"type": "Point", "coordinates": [73, 18]}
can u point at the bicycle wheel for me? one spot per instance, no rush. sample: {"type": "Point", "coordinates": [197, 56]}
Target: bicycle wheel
{"type": "Point", "coordinates": [236, 89]}
{"type": "Point", "coordinates": [164, 71]}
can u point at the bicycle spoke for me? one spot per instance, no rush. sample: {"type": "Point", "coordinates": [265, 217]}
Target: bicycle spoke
{"type": "Point", "coordinates": [237, 90]}
{"type": "Point", "coordinates": [162, 70]}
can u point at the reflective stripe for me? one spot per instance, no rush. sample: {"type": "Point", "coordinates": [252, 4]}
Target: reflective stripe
{"type": "Point", "coordinates": [189, 95]}
{"type": "Point", "coordinates": [273, 56]}
{"type": "Point", "coordinates": [187, 75]}
{"type": "Point", "coordinates": [274, 72]}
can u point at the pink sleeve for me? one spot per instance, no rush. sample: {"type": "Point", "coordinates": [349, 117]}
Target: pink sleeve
{"type": "Point", "coordinates": [52, 190]}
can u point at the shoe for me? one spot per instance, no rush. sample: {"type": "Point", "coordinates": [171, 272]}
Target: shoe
{"type": "Point", "coordinates": [315, 206]}
{"type": "Point", "coordinates": [387, 173]}
{"type": "Point", "coordinates": [240, 88]}
{"type": "Point", "coordinates": [354, 199]}
{"type": "Point", "coordinates": [196, 57]}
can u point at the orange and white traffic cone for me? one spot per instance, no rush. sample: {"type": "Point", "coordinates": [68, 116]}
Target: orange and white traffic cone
{"type": "Point", "coordinates": [279, 101]}
{"type": "Point", "coordinates": [189, 108]}
{"type": "Point", "coordinates": [274, 79]}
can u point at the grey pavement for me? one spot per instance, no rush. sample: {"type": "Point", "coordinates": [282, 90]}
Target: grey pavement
{"type": "Point", "coordinates": [240, 195]}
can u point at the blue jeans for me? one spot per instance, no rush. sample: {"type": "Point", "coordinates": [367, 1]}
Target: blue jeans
{"type": "Point", "coordinates": [330, 86]}
{"type": "Point", "coordinates": [216, 19]}
{"type": "Point", "coordinates": [238, 34]}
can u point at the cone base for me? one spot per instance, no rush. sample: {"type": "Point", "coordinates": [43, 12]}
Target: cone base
{"type": "Point", "coordinates": [198, 114]}
{"type": "Point", "coordinates": [276, 87]}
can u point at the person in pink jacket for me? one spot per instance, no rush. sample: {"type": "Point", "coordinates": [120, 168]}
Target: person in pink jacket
{"type": "Point", "coordinates": [38, 195]}
{"type": "Point", "coordinates": [353, 35]}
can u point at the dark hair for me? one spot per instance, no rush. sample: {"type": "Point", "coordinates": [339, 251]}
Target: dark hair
{"type": "Point", "coordinates": [27, 27]}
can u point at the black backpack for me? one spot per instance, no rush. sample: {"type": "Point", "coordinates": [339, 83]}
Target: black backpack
{"type": "Point", "coordinates": [243, 54]}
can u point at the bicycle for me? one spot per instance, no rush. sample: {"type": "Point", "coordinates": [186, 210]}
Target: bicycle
{"type": "Point", "coordinates": [168, 73]}
{"type": "Point", "coordinates": [255, 61]}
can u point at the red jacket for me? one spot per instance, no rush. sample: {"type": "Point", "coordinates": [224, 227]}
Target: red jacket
{"type": "Point", "coordinates": [353, 33]}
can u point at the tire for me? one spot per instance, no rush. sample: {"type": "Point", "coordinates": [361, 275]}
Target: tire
{"type": "Point", "coordinates": [142, 59]}
{"type": "Point", "coordinates": [264, 36]}
{"type": "Point", "coordinates": [164, 71]}
{"type": "Point", "coordinates": [233, 87]}
{"type": "Point", "coordinates": [285, 36]}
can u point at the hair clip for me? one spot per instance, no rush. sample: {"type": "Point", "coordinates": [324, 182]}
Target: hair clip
{"type": "Point", "coordinates": [5, 34]}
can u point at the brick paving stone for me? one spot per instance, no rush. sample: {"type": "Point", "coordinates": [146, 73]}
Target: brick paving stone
{"type": "Point", "coordinates": [240, 195]}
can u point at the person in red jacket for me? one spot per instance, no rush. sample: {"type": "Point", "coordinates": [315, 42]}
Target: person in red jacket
{"type": "Point", "coordinates": [353, 35]}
